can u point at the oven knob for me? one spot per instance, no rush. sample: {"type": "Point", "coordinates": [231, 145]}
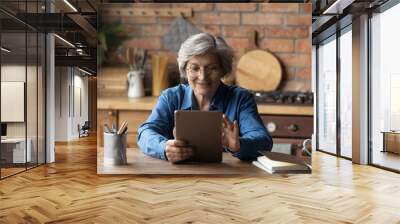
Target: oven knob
{"type": "Point", "coordinates": [293, 127]}
{"type": "Point", "coordinates": [271, 127]}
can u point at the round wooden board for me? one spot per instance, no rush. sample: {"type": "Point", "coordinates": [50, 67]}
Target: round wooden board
{"type": "Point", "coordinates": [258, 70]}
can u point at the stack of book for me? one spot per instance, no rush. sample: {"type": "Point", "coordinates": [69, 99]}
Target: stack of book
{"type": "Point", "coordinates": [274, 162]}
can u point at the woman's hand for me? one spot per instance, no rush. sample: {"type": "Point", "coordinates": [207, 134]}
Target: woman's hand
{"type": "Point", "coordinates": [177, 150]}
{"type": "Point", "coordinates": [230, 134]}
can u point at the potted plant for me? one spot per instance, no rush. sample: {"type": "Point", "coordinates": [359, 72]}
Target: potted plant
{"type": "Point", "coordinates": [108, 39]}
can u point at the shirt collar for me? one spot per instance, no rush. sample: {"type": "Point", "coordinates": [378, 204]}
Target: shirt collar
{"type": "Point", "coordinates": [187, 98]}
{"type": "Point", "coordinates": [217, 103]}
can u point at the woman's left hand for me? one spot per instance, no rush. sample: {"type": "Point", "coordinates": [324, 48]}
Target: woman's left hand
{"type": "Point", "coordinates": [230, 134]}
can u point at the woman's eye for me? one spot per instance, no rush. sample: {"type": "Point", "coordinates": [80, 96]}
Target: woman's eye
{"type": "Point", "coordinates": [195, 69]}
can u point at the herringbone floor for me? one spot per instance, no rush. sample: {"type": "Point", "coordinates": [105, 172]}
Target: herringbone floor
{"type": "Point", "coordinates": [70, 191]}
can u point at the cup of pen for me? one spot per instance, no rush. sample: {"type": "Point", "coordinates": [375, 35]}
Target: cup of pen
{"type": "Point", "coordinates": [115, 146]}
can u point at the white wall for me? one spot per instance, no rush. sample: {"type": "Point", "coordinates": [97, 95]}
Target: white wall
{"type": "Point", "coordinates": [71, 93]}
{"type": "Point", "coordinates": [61, 103]}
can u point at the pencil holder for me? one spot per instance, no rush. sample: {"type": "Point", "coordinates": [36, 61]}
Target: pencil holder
{"type": "Point", "coordinates": [114, 149]}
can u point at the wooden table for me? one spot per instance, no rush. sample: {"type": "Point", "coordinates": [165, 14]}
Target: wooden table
{"type": "Point", "coordinates": [141, 164]}
{"type": "Point", "coordinates": [391, 141]}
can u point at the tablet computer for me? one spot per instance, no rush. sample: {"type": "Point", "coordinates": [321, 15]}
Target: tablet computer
{"type": "Point", "coordinates": [202, 131]}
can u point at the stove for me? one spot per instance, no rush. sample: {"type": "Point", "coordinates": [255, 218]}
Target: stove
{"type": "Point", "coordinates": [283, 97]}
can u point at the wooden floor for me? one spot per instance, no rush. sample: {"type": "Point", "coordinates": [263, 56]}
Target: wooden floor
{"type": "Point", "coordinates": [386, 159]}
{"type": "Point", "coordinates": [70, 191]}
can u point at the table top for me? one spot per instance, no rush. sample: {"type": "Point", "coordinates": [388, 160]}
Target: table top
{"type": "Point", "coordinates": [391, 132]}
{"type": "Point", "coordinates": [141, 164]}
{"type": "Point", "coordinates": [13, 140]}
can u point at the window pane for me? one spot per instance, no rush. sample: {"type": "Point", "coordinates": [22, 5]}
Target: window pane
{"type": "Point", "coordinates": [345, 94]}
{"type": "Point", "coordinates": [385, 86]}
{"type": "Point", "coordinates": [327, 97]}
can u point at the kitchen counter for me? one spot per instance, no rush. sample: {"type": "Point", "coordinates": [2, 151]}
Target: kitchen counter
{"type": "Point", "coordinates": [147, 104]}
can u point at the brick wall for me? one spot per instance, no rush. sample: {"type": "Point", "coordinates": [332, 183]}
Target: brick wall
{"type": "Point", "coordinates": [283, 29]}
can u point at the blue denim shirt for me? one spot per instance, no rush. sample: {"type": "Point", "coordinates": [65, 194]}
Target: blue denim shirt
{"type": "Point", "coordinates": [235, 102]}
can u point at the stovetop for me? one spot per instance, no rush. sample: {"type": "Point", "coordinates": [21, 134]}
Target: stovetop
{"type": "Point", "coordinates": [284, 97]}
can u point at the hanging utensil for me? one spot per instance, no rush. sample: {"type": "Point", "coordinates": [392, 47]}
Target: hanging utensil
{"type": "Point", "coordinates": [257, 69]}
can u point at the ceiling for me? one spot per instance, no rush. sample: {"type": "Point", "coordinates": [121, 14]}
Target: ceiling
{"type": "Point", "coordinates": [76, 24]}
{"type": "Point", "coordinates": [332, 15]}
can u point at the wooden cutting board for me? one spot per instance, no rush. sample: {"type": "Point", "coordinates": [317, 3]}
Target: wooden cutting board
{"type": "Point", "coordinates": [258, 70]}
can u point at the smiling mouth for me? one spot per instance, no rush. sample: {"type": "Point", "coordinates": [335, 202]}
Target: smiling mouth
{"type": "Point", "coordinates": [203, 83]}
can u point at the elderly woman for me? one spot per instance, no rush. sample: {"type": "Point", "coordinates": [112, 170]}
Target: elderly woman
{"type": "Point", "coordinates": [204, 59]}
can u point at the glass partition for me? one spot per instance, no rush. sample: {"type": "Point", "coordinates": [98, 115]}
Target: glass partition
{"type": "Point", "coordinates": [22, 88]}
{"type": "Point", "coordinates": [346, 93]}
{"type": "Point", "coordinates": [14, 154]}
{"type": "Point", "coordinates": [327, 96]}
{"type": "Point", "coordinates": [385, 89]}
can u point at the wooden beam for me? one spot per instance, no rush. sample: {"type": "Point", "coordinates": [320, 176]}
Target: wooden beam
{"type": "Point", "coordinates": [84, 24]}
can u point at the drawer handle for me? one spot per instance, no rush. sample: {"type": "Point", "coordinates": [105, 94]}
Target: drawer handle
{"type": "Point", "coordinates": [271, 127]}
{"type": "Point", "coordinates": [293, 128]}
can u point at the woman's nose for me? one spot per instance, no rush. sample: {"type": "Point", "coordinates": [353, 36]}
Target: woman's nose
{"type": "Point", "coordinates": [202, 75]}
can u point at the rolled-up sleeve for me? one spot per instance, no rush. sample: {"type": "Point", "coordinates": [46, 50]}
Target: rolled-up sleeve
{"type": "Point", "coordinates": [253, 135]}
{"type": "Point", "coordinates": [157, 129]}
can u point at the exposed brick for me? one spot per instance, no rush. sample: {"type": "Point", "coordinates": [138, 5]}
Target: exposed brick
{"type": "Point", "coordinates": [295, 60]}
{"type": "Point", "coordinates": [167, 20]}
{"type": "Point", "coordinates": [278, 45]}
{"type": "Point", "coordinates": [213, 29]}
{"type": "Point", "coordinates": [220, 18]}
{"type": "Point", "coordinates": [280, 7]}
{"type": "Point", "coordinates": [288, 74]}
{"type": "Point", "coordinates": [303, 46]}
{"type": "Point", "coordinates": [110, 19]}
{"type": "Point", "coordinates": [238, 43]}
{"type": "Point", "coordinates": [283, 29]}
{"type": "Point", "coordinates": [242, 31]}
{"type": "Point", "coordinates": [298, 20]}
{"type": "Point", "coordinates": [286, 32]}
{"type": "Point", "coordinates": [303, 73]}
{"type": "Point", "coordinates": [196, 7]}
{"type": "Point", "coordinates": [261, 19]}
{"type": "Point", "coordinates": [306, 7]}
{"type": "Point", "coordinates": [146, 43]}
{"type": "Point", "coordinates": [130, 30]}
{"type": "Point", "coordinates": [154, 30]}
{"type": "Point", "coordinates": [138, 20]}
{"type": "Point", "coordinates": [144, 30]}
{"type": "Point", "coordinates": [296, 85]}
{"type": "Point", "coordinates": [235, 7]}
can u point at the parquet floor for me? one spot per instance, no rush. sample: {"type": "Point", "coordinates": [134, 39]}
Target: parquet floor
{"type": "Point", "coordinates": [70, 191]}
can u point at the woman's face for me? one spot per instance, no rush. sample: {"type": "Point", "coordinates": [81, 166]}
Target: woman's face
{"type": "Point", "coordinates": [204, 74]}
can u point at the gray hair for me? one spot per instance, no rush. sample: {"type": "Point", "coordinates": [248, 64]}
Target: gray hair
{"type": "Point", "coordinates": [202, 43]}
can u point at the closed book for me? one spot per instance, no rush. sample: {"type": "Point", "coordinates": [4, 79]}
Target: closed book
{"type": "Point", "coordinates": [259, 165]}
{"type": "Point", "coordinates": [282, 163]}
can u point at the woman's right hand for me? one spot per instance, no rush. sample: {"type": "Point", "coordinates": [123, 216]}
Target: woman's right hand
{"type": "Point", "coordinates": [177, 150]}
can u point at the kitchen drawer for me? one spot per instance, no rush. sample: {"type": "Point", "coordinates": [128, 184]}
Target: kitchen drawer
{"type": "Point", "coordinates": [132, 140]}
{"type": "Point", "coordinates": [285, 126]}
{"type": "Point", "coordinates": [134, 119]}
